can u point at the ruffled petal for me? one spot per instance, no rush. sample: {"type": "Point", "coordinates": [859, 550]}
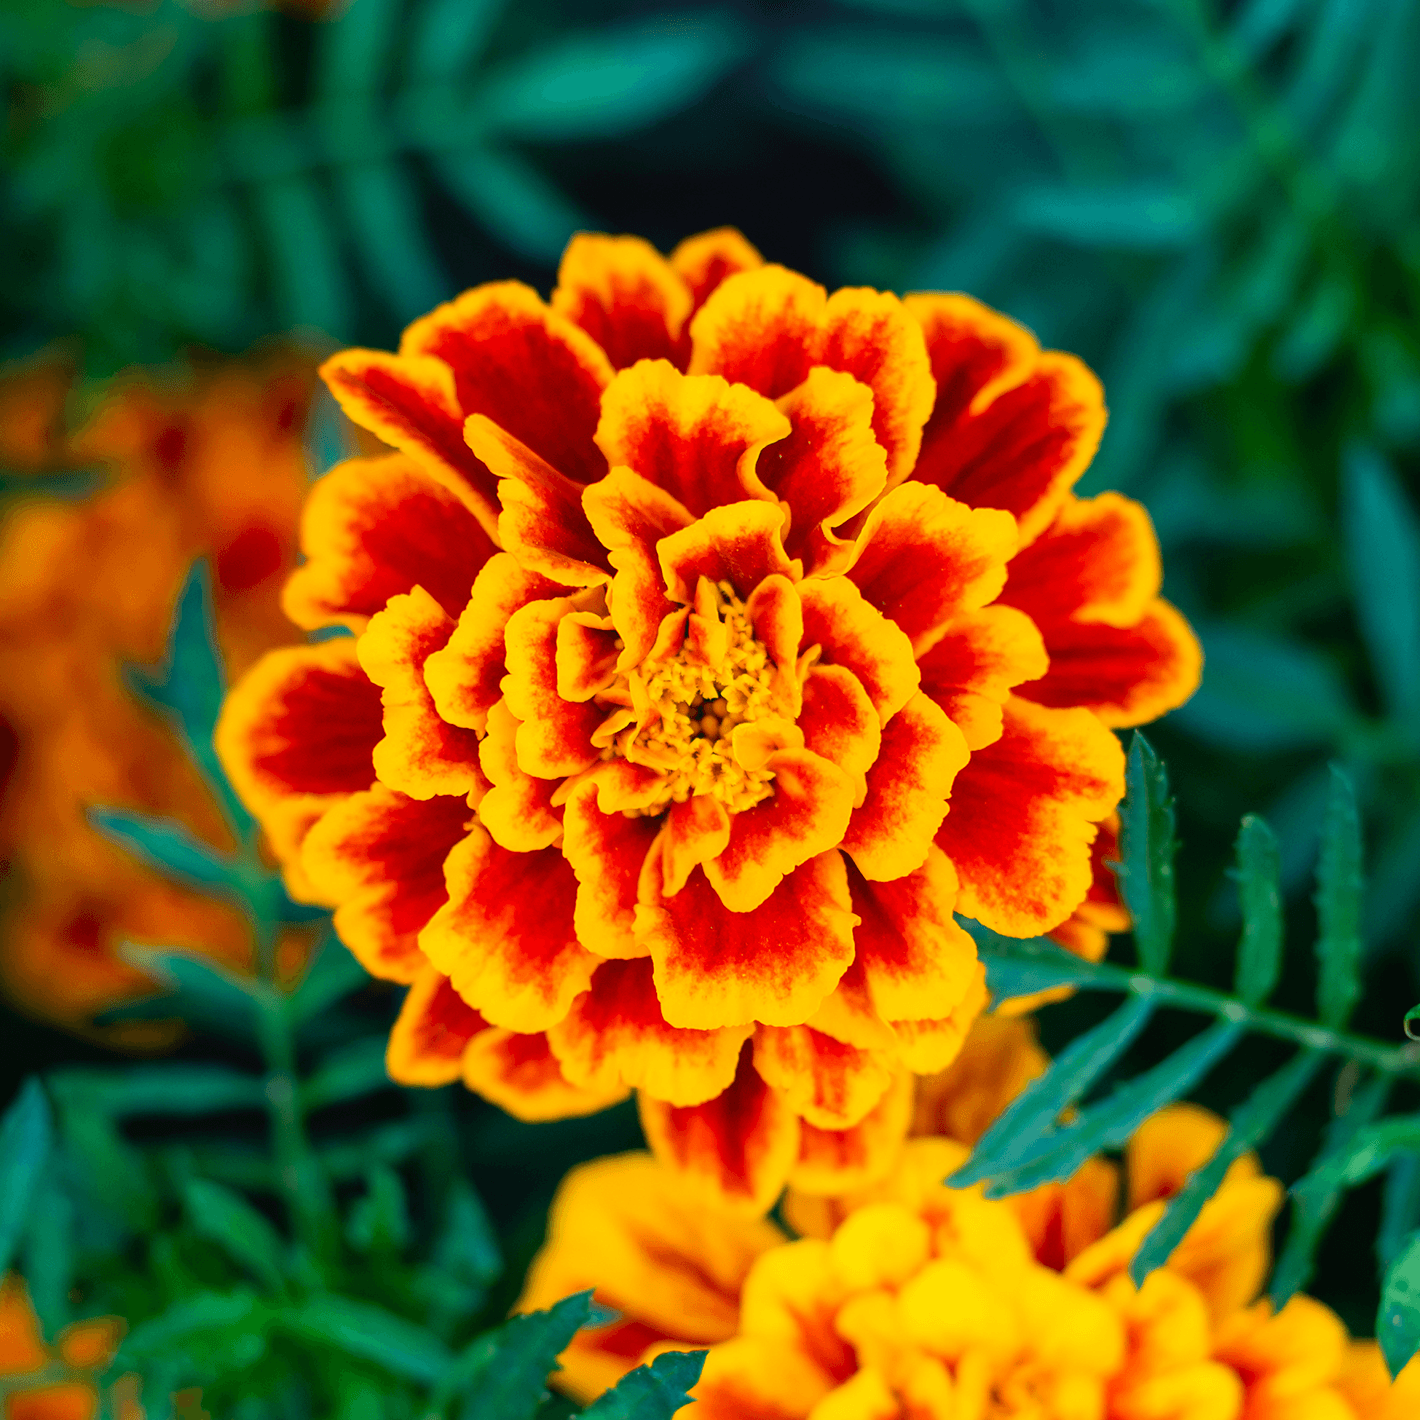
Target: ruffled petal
{"type": "Point", "coordinates": [695, 436]}
{"type": "Point", "coordinates": [711, 966]}
{"type": "Point", "coordinates": [505, 937]}
{"type": "Point", "coordinates": [890, 833]}
{"type": "Point", "coordinates": [625, 295]}
{"type": "Point", "coordinates": [829, 1084]}
{"type": "Point", "coordinates": [979, 658]}
{"type": "Point", "coordinates": [630, 515]}
{"type": "Point", "coordinates": [519, 1073]}
{"type": "Point", "coordinates": [739, 543]}
{"type": "Point", "coordinates": [806, 815]}
{"type": "Point", "coordinates": [615, 1035]}
{"type": "Point", "coordinates": [734, 1151]}
{"type": "Point", "coordinates": [518, 808]}
{"type": "Point", "coordinates": [931, 1044]}
{"type": "Point", "coordinates": [373, 528]}
{"type": "Point", "coordinates": [1014, 426]}
{"type": "Point", "coordinates": [1127, 676]}
{"type": "Point", "coordinates": [380, 856]}
{"type": "Point", "coordinates": [754, 1378]}
{"type": "Point", "coordinates": [923, 559]}
{"type": "Point", "coordinates": [1097, 562]}
{"type": "Point", "coordinates": [916, 960]}
{"type": "Point", "coordinates": [555, 736]}
{"type": "Point", "coordinates": [704, 261]}
{"type": "Point", "coordinates": [1023, 815]}
{"type": "Point", "coordinates": [411, 403]}
{"type": "Point", "coordinates": [542, 523]}
{"type": "Point", "coordinates": [466, 677]}
{"type": "Point", "coordinates": [607, 848]}
{"type": "Point", "coordinates": [528, 369]}
{"type": "Point", "coordinates": [421, 754]}
{"type": "Point", "coordinates": [830, 466]}
{"type": "Point", "coordinates": [834, 1161]}
{"type": "Point", "coordinates": [856, 635]}
{"type": "Point", "coordinates": [839, 723]}
{"type": "Point", "coordinates": [428, 1040]}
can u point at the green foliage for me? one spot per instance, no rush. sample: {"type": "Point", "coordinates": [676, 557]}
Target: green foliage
{"type": "Point", "coordinates": [1259, 889]}
{"type": "Point", "coordinates": [651, 1392]}
{"type": "Point", "coordinates": [1147, 849]}
{"type": "Point", "coordinates": [1398, 1322]}
{"type": "Point", "coordinates": [1338, 906]}
{"type": "Point", "coordinates": [24, 1149]}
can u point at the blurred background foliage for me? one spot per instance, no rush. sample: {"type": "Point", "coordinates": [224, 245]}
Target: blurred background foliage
{"type": "Point", "coordinates": [1215, 202]}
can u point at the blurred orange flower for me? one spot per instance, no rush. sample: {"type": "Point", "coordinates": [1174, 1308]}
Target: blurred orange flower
{"type": "Point", "coordinates": [764, 581]}
{"type": "Point", "coordinates": [200, 464]}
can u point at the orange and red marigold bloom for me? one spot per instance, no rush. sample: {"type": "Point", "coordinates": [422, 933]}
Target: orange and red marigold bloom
{"type": "Point", "coordinates": [716, 640]}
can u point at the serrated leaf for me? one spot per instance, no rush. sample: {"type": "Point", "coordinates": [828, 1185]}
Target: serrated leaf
{"type": "Point", "coordinates": [1260, 894]}
{"type": "Point", "coordinates": [169, 846]}
{"type": "Point", "coordinates": [1338, 905]}
{"type": "Point", "coordinates": [1039, 1106]}
{"type": "Point", "coordinates": [1249, 1124]}
{"type": "Point", "coordinates": [1058, 1154]}
{"type": "Point", "coordinates": [245, 1235]}
{"type": "Point", "coordinates": [168, 1089]}
{"type": "Point", "coordinates": [653, 1392]}
{"type": "Point", "coordinates": [611, 81]}
{"type": "Point", "coordinates": [26, 1135]}
{"type": "Point", "coordinates": [1398, 1320]}
{"type": "Point", "coordinates": [1147, 848]}
{"type": "Point", "coordinates": [366, 1332]}
{"type": "Point", "coordinates": [505, 194]}
{"type": "Point", "coordinates": [1383, 554]}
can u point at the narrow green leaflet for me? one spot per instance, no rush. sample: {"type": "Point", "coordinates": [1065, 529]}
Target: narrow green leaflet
{"type": "Point", "coordinates": [166, 1089]}
{"type": "Point", "coordinates": [191, 1316]}
{"type": "Point", "coordinates": [1251, 1122]}
{"type": "Point", "coordinates": [331, 975]}
{"type": "Point", "coordinates": [449, 35]}
{"type": "Point", "coordinates": [26, 1134]}
{"type": "Point", "coordinates": [194, 988]}
{"type": "Point", "coordinates": [653, 1392]}
{"type": "Point", "coordinates": [467, 1247]}
{"type": "Point", "coordinates": [1412, 1020]}
{"type": "Point", "coordinates": [1022, 966]}
{"type": "Point", "coordinates": [1398, 1320]}
{"type": "Point", "coordinates": [47, 1259]}
{"type": "Point", "coordinates": [1338, 905]}
{"type": "Point", "coordinates": [379, 1222]}
{"type": "Point", "coordinates": [366, 1332]}
{"type": "Point", "coordinates": [1400, 1208]}
{"type": "Point", "coordinates": [353, 1070]}
{"type": "Point", "coordinates": [167, 845]}
{"type": "Point", "coordinates": [246, 1236]}
{"type": "Point", "coordinates": [1260, 895]}
{"type": "Point", "coordinates": [505, 193]}
{"type": "Point", "coordinates": [1038, 1107]}
{"type": "Point", "coordinates": [1316, 1197]}
{"type": "Point", "coordinates": [1147, 850]}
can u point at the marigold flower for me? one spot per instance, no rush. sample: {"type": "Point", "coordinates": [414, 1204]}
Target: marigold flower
{"type": "Point", "coordinates": [762, 580]}
{"type": "Point", "coordinates": [929, 1303]}
{"type": "Point", "coordinates": [207, 464]}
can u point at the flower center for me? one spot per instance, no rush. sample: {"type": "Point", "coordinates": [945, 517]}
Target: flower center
{"type": "Point", "coordinates": [691, 702]}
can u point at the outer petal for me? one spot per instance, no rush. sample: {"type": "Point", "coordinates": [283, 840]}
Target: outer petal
{"type": "Point", "coordinates": [380, 856]}
{"type": "Point", "coordinates": [927, 1046]}
{"type": "Point", "coordinates": [1015, 426]}
{"type": "Point", "coordinates": [528, 369]}
{"type": "Point", "coordinates": [857, 636]}
{"type": "Point", "coordinates": [890, 833]}
{"type": "Point", "coordinates": [519, 1073]}
{"type": "Point", "coordinates": [830, 466]}
{"type": "Point", "coordinates": [696, 437]}
{"type": "Point", "coordinates": [615, 1035]}
{"type": "Point", "coordinates": [711, 966]}
{"type": "Point", "coordinates": [412, 404]}
{"type": "Point", "coordinates": [625, 295]}
{"type": "Point", "coordinates": [1127, 676]}
{"type": "Point", "coordinates": [833, 1161]}
{"type": "Point", "coordinates": [704, 261]}
{"type": "Point", "coordinates": [505, 937]}
{"type": "Point", "coordinates": [980, 658]}
{"type": "Point", "coordinates": [917, 961]}
{"type": "Point", "coordinates": [923, 558]}
{"type": "Point", "coordinates": [517, 810]}
{"type": "Point", "coordinates": [829, 1084]}
{"type": "Point", "coordinates": [739, 543]}
{"type": "Point", "coordinates": [806, 815]}
{"type": "Point", "coordinates": [421, 753]}
{"type": "Point", "coordinates": [733, 1152]}
{"type": "Point", "coordinates": [555, 736]}
{"type": "Point", "coordinates": [435, 1025]}
{"type": "Point", "coordinates": [373, 528]}
{"type": "Point", "coordinates": [1023, 816]}
{"type": "Point", "coordinates": [466, 677]}
{"type": "Point", "coordinates": [1097, 562]}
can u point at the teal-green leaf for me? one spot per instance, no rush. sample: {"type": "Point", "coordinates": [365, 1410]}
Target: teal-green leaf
{"type": "Point", "coordinates": [224, 1217]}
{"type": "Point", "coordinates": [1338, 905]}
{"type": "Point", "coordinates": [614, 80]}
{"type": "Point", "coordinates": [168, 846]}
{"type": "Point", "coordinates": [379, 1222]}
{"type": "Point", "coordinates": [1038, 1107]}
{"type": "Point", "coordinates": [467, 1247]}
{"type": "Point", "coordinates": [353, 49]}
{"type": "Point", "coordinates": [1249, 1124]}
{"type": "Point", "coordinates": [653, 1392]}
{"type": "Point", "coordinates": [1383, 554]}
{"type": "Point", "coordinates": [1398, 1320]}
{"type": "Point", "coordinates": [366, 1332]}
{"type": "Point", "coordinates": [1135, 216]}
{"type": "Point", "coordinates": [1023, 966]}
{"type": "Point", "coordinates": [307, 263]}
{"type": "Point", "coordinates": [390, 233]}
{"type": "Point", "coordinates": [48, 1255]}
{"type": "Point", "coordinates": [1147, 851]}
{"type": "Point", "coordinates": [194, 988]}
{"type": "Point", "coordinates": [449, 36]}
{"type": "Point", "coordinates": [188, 1317]}
{"type": "Point", "coordinates": [353, 1070]}
{"type": "Point", "coordinates": [333, 973]}
{"type": "Point", "coordinates": [1400, 1208]}
{"type": "Point", "coordinates": [170, 1088]}
{"type": "Point", "coordinates": [1259, 875]}
{"type": "Point", "coordinates": [503, 192]}
{"type": "Point", "coordinates": [26, 1134]}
